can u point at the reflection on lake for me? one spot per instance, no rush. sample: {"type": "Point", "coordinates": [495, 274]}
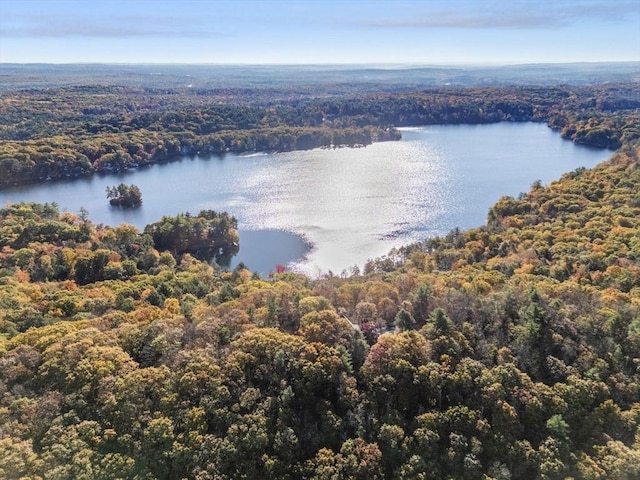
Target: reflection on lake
{"type": "Point", "coordinates": [349, 204]}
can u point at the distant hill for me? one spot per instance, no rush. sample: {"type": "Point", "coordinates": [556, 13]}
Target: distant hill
{"type": "Point", "coordinates": [393, 77]}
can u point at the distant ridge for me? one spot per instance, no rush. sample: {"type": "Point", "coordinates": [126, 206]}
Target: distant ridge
{"type": "Point", "coordinates": [393, 77]}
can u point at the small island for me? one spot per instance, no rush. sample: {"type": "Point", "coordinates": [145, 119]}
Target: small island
{"type": "Point", "coordinates": [124, 195]}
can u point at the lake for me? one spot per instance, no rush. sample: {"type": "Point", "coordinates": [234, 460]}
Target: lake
{"type": "Point", "coordinates": [331, 209]}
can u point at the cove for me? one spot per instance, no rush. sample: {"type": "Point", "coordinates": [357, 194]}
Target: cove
{"type": "Point", "coordinates": [330, 209]}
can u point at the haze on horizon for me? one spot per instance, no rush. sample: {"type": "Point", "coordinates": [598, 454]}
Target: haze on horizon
{"type": "Point", "coordinates": [319, 31]}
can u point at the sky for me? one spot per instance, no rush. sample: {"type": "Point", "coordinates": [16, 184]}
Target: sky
{"type": "Point", "coordinates": [319, 31]}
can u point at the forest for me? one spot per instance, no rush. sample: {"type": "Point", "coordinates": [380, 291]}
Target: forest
{"type": "Point", "coordinates": [509, 351]}
{"type": "Point", "coordinates": [73, 131]}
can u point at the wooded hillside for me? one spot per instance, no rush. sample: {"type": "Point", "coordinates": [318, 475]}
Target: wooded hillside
{"type": "Point", "coordinates": [514, 351]}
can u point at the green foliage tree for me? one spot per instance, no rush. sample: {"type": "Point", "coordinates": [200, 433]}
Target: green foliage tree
{"type": "Point", "coordinates": [124, 195]}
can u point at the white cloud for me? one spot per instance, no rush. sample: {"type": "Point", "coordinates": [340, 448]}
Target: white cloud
{"type": "Point", "coordinates": [57, 26]}
{"type": "Point", "coordinates": [503, 14]}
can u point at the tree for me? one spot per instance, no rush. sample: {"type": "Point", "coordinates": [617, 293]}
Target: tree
{"type": "Point", "coordinates": [404, 321]}
{"type": "Point", "coordinates": [325, 326]}
{"type": "Point", "coordinates": [124, 195]}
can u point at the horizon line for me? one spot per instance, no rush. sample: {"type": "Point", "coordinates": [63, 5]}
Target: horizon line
{"type": "Point", "coordinates": [320, 64]}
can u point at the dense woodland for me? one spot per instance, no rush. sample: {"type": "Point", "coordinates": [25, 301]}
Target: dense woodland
{"type": "Point", "coordinates": [511, 351]}
{"type": "Point", "coordinates": [514, 350]}
{"type": "Point", "coordinates": [79, 130]}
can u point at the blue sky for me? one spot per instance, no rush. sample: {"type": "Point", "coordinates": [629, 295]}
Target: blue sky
{"type": "Point", "coordinates": [319, 31]}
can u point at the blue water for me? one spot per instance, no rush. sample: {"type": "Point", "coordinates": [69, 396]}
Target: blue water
{"type": "Point", "coordinates": [331, 209]}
